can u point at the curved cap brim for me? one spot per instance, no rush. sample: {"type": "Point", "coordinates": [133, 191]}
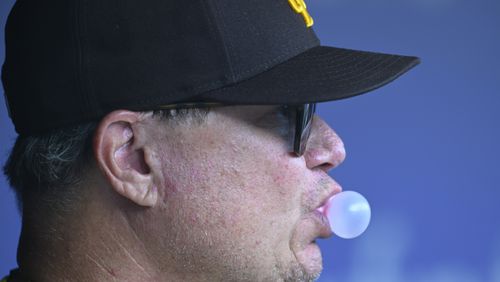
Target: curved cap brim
{"type": "Point", "coordinates": [319, 74]}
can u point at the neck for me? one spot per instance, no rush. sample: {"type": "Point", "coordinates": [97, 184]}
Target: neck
{"type": "Point", "coordinates": [94, 245]}
{"type": "Point", "coordinates": [96, 242]}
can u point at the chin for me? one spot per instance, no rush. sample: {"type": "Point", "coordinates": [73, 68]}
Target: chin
{"type": "Point", "coordinates": [310, 261]}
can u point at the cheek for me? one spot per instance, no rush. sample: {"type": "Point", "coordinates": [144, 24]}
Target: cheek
{"type": "Point", "coordinates": [285, 174]}
{"type": "Point", "coordinates": [184, 170]}
{"type": "Point", "coordinates": [244, 177]}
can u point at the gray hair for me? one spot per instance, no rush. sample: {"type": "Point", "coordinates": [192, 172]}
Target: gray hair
{"type": "Point", "coordinates": [47, 168]}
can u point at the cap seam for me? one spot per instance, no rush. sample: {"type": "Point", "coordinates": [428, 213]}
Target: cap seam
{"type": "Point", "coordinates": [221, 35]}
{"type": "Point", "coordinates": [271, 63]}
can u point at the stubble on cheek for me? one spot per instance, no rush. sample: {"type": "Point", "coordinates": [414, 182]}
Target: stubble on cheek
{"type": "Point", "coordinates": [208, 225]}
{"type": "Point", "coordinates": [296, 258]}
{"type": "Point", "coordinates": [296, 186]}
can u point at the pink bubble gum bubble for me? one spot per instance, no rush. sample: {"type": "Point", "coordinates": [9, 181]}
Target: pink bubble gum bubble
{"type": "Point", "coordinates": [349, 214]}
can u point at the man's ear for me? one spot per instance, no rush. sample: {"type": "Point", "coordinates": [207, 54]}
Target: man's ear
{"type": "Point", "coordinates": [120, 154]}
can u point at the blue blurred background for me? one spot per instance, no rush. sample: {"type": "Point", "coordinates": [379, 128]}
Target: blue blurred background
{"type": "Point", "coordinates": [424, 150]}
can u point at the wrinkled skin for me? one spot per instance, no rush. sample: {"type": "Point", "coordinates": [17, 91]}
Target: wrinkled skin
{"type": "Point", "coordinates": [234, 203]}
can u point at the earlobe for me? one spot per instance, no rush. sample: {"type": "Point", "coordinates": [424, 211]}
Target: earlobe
{"type": "Point", "coordinates": [120, 153]}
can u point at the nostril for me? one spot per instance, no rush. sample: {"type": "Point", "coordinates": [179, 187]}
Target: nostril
{"type": "Point", "coordinates": [318, 159]}
{"type": "Point", "coordinates": [326, 167]}
{"type": "Point", "coordinates": [324, 159]}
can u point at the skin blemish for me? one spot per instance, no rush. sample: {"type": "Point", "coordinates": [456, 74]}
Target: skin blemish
{"type": "Point", "coordinates": [278, 179]}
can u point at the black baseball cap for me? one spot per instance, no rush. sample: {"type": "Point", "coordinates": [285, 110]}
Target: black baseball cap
{"type": "Point", "coordinates": [70, 61]}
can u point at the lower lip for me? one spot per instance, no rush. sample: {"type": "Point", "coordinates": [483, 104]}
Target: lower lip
{"type": "Point", "coordinates": [325, 224]}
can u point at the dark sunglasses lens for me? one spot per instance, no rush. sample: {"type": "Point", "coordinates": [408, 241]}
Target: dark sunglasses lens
{"type": "Point", "coordinates": [302, 120]}
{"type": "Point", "coordinates": [307, 116]}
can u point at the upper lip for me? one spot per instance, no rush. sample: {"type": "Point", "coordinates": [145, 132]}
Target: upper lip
{"type": "Point", "coordinates": [335, 190]}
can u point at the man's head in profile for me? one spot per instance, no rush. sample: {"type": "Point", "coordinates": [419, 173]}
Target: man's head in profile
{"type": "Point", "coordinates": [175, 140]}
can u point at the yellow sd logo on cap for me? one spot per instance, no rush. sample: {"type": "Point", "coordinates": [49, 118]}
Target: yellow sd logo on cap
{"type": "Point", "coordinates": [299, 6]}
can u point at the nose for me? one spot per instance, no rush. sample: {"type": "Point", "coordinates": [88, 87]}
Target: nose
{"type": "Point", "coordinates": [324, 149]}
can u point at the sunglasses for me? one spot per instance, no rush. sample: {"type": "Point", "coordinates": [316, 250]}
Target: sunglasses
{"type": "Point", "coordinates": [299, 121]}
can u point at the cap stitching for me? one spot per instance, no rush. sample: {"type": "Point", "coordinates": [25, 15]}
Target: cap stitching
{"type": "Point", "coordinates": [351, 80]}
{"type": "Point", "coordinates": [347, 79]}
